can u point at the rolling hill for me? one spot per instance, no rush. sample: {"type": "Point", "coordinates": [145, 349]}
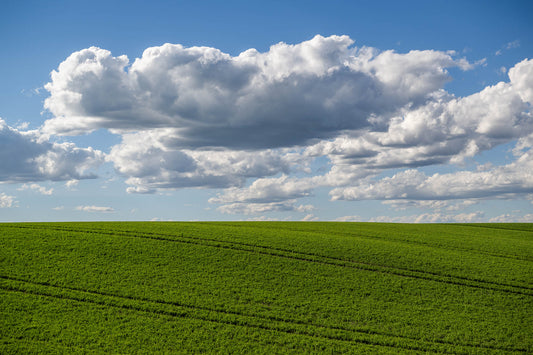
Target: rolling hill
{"type": "Point", "coordinates": [266, 287]}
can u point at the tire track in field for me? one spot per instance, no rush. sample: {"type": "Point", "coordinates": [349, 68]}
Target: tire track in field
{"type": "Point", "coordinates": [336, 261]}
{"type": "Point", "coordinates": [329, 260]}
{"type": "Point", "coordinates": [235, 322]}
{"type": "Point", "coordinates": [493, 227]}
{"type": "Point", "coordinates": [310, 257]}
{"type": "Point", "coordinates": [294, 322]}
{"type": "Point", "coordinates": [361, 236]}
{"type": "Point", "coordinates": [400, 241]}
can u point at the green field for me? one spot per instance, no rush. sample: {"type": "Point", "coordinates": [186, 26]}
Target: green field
{"type": "Point", "coordinates": [266, 287]}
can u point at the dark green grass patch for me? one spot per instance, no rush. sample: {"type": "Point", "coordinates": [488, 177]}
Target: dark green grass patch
{"type": "Point", "coordinates": [266, 288]}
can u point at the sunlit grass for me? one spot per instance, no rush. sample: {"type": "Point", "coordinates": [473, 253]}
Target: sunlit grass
{"type": "Point", "coordinates": [266, 287]}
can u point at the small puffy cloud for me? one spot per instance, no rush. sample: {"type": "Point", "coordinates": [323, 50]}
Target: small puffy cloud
{"type": "Point", "coordinates": [58, 208]}
{"type": "Point", "coordinates": [310, 218]}
{"type": "Point", "coordinates": [36, 187]}
{"type": "Point", "coordinates": [72, 183]}
{"type": "Point", "coordinates": [7, 201]}
{"type": "Point", "coordinates": [98, 209]}
{"type": "Point", "coordinates": [23, 126]}
{"type": "Point", "coordinates": [30, 156]}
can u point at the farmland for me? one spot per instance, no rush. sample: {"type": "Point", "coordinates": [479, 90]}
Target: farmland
{"type": "Point", "coordinates": [266, 287]}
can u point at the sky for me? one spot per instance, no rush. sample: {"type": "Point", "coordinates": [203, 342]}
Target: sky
{"type": "Point", "coordinates": [390, 111]}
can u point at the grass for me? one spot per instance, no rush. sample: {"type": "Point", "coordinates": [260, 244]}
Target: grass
{"type": "Point", "coordinates": [266, 287]}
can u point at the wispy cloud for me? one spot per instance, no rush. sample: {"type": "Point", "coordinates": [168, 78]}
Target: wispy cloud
{"type": "Point", "coordinates": [432, 218]}
{"type": "Point", "coordinates": [36, 187]}
{"type": "Point", "coordinates": [512, 218]}
{"type": "Point", "coordinates": [259, 208]}
{"type": "Point", "coordinates": [507, 46]}
{"type": "Point", "coordinates": [99, 209]}
{"type": "Point", "coordinates": [349, 219]}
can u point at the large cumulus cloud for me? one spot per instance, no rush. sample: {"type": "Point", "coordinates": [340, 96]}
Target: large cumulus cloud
{"type": "Point", "coordinates": [281, 98]}
{"type": "Point", "coordinates": [198, 117]}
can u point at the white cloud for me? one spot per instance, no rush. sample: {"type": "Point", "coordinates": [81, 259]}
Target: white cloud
{"type": "Point", "coordinates": [267, 190]}
{"type": "Point", "coordinates": [507, 46]}
{"type": "Point", "coordinates": [436, 205]}
{"type": "Point", "coordinates": [98, 209]}
{"type": "Point", "coordinates": [262, 219]}
{"type": "Point", "coordinates": [58, 208]}
{"type": "Point", "coordinates": [310, 218]}
{"type": "Point", "coordinates": [432, 218]}
{"type": "Point", "coordinates": [498, 182]}
{"type": "Point", "coordinates": [521, 76]}
{"type": "Point", "coordinates": [443, 129]}
{"type": "Point", "coordinates": [512, 218]}
{"type": "Point", "coordinates": [513, 44]}
{"type": "Point", "coordinates": [151, 161]}
{"type": "Point", "coordinates": [266, 195]}
{"type": "Point", "coordinates": [71, 184]}
{"type": "Point", "coordinates": [258, 208]}
{"type": "Point", "coordinates": [349, 219]}
{"type": "Point", "coordinates": [23, 126]}
{"type": "Point", "coordinates": [30, 156]}
{"type": "Point", "coordinates": [198, 117]}
{"type": "Point", "coordinates": [36, 187]}
{"type": "Point", "coordinates": [7, 201]}
{"type": "Point", "coordinates": [207, 98]}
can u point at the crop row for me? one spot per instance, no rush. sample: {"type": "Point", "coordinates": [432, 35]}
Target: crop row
{"type": "Point", "coordinates": [307, 282]}
{"type": "Point", "coordinates": [311, 257]}
{"type": "Point", "coordinates": [392, 235]}
{"type": "Point", "coordinates": [173, 309]}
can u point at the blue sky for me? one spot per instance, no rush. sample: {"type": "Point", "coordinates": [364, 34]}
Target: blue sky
{"type": "Point", "coordinates": [415, 111]}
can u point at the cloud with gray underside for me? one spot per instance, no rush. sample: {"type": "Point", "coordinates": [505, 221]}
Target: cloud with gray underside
{"type": "Point", "coordinates": [287, 96]}
{"type": "Point", "coordinates": [254, 123]}
{"type": "Point", "coordinates": [30, 156]}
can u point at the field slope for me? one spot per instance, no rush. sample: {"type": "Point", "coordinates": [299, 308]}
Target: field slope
{"type": "Point", "coordinates": [266, 287]}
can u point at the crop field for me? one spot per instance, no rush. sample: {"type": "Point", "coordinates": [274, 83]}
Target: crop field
{"type": "Point", "coordinates": [266, 287]}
